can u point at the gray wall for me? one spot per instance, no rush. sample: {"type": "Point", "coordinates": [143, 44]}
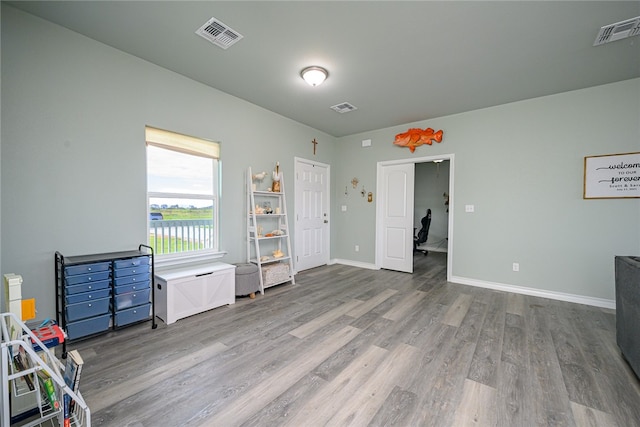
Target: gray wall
{"type": "Point", "coordinates": [73, 176]}
{"type": "Point", "coordinates": [73, 153]}
{"type": "Point", "coordinates": [521, 165]}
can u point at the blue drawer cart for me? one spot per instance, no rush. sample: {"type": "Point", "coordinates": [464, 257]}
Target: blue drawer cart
{"type": "Point", "coordinates": [102, 292]}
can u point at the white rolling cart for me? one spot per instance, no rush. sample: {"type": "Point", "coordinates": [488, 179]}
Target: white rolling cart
{"type": "Point", "coordinates": [14, 341]}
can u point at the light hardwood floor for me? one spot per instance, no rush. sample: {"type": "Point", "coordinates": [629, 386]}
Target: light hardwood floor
{"type": "Point", "coordinates": [353, 347]}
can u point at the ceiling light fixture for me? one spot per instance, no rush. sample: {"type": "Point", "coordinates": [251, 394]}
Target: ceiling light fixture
{"type": "Point", "coordinates": [314, 75]}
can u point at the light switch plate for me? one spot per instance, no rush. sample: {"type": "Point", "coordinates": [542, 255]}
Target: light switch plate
{"type": "Point", "coordinates": [469, 208]}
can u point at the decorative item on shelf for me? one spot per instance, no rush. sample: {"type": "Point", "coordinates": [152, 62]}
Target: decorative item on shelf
{"type": "Point", "coordinates": [259, 231]}
{"type": "Point", "coordinates": [370, 197]}
{"type": "Point", "coordinates": [264, 258]}
{"type": "Point", "coordinates": [267, 208]}
{"type": "Point", "coordinates": [277, 232]}
{"type": "Point", "coordinates": [355, 182]}
{"type": "Point", "coordinates": [416, 137]}
{"type": "Point", "coordinates": [258, 177]}
{"type": "Point", "coordinates": [259, 210]}
{"type": "Point", "coordinates": [276, 176]}
{"type": "Point", "coordinates": [278, 253]}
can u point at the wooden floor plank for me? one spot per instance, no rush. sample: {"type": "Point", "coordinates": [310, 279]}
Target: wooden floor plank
{"type": "Point", "coordinates": [477, 407]}
{"type": "Point", "coordinates": [486, 358]}
{"type": "Point", "coordinates": [400, 310]}
{"type": "Point", "coordinates": [261, 394]}
{"type": "Point", "coordinates": [361, 406]}
{"type": "Point", "coordinates": [579, 380]}
{"type": "Point", "coordinates": [549, 398]}
{"type": "Point", "coordinates": [458, 310]}
{"type": "Point", "coordinates": [325, 403]}
{"type": "Point", "coordinates": [396, 408]}
{"type": "Point", "coordinates": [310, 327]}
{"type": "Point", "coordinates": [589, 417]}
{"type": "Point", "coordinates": [135, 384]}
{"type": "Point", "coordinates": [371, 303]}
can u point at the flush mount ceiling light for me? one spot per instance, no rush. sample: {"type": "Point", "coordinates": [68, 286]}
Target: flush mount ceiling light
{"type": "Point", "coordinates": [314, 75]}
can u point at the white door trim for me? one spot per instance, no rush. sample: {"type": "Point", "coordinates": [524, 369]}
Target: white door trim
{"type": "Point", "coordinates": [327, 242]}
{"type": "Point", "coordinates": [380, 204]}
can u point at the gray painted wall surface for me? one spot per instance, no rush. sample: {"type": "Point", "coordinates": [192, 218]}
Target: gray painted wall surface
{"type": "Point", "coordinates": [73, 177]}
{"type": "Point", "coordinates": [521, 165]}
{"type": "Point", "coordinates": [73, 152]}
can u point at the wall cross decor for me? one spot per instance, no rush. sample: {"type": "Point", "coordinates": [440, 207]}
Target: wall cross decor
{"type": "Point", "coordinates": [314, 142]}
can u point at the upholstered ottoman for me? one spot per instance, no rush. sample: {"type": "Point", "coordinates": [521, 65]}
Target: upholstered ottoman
{"type": "Point", "coordinates": [247, 280]}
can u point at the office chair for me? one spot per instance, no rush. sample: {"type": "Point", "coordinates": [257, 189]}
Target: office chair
{"type": "Point", "coordinates": [423, 234]}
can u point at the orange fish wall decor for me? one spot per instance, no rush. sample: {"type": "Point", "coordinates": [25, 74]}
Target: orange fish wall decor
{"type": "Point", "coordinates": [415, 137]}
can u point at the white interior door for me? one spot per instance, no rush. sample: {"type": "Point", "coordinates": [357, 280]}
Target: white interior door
{"type": "Point", "coordinates": [312, 214]}
{"type": "Point", "coordinates": [397, 217]}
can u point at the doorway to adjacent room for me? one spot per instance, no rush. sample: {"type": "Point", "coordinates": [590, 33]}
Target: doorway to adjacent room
{"type": "Point", "coordinates": [395, 210]}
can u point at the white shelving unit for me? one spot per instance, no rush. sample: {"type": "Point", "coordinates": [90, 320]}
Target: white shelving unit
{"type": "Point", "coordinates": [268, 240]}
{"type": "Point", "coordinates": [13, 381]}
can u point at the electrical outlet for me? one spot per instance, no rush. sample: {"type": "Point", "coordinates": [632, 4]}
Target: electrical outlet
{"type": "Point", "coordinates": [469, 208]}
{"type": "Point", "coordinates": [357, 248]}
{"type": "Point", "coordinates": [516, 266]}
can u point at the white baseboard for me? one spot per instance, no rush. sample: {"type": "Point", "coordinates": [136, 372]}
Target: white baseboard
{"type": "Point", "coordinates": [353, 263]}
{"type": "Point", "coordinates": [560, 296]}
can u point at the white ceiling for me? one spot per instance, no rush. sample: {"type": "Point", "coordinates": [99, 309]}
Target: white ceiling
{"type": "Point", "coordinates": [397, 62]}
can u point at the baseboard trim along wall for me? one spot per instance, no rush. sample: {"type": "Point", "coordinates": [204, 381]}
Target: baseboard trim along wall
{"type": "Point", "coordinates": [560, 296]}
{"type": "Point", "coordinates": [353, 263]}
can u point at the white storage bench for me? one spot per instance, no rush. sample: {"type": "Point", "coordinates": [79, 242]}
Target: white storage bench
{"type": "Point", "coordinates": [185, 291]}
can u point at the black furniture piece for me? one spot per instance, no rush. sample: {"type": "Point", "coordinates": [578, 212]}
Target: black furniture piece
{"type": "Point", "coordinates": [423, 234]}
{"type": "Point", "coordinates": [100, 292]}
{"type": "Point", "coordinates": [627, 270]}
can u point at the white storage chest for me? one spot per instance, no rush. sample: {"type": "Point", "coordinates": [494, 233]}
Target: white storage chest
{"type": "Point", "coordinates": [185, 291]}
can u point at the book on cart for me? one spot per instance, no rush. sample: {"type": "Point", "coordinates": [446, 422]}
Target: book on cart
{"type": "Point", "coordinates": [72, 372]}
{"type": "Point", "coordinates": [48, 390]}
{"type": "Point", "coordinates": [21, 363]}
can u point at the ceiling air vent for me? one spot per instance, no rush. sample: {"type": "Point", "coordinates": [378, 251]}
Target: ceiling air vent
{"type": "Point", "coordinates": [344, 107]}
{"type": "Point", "coordinates": [618, 31]}
{"type": "Point", "coordinates": [218, 33]}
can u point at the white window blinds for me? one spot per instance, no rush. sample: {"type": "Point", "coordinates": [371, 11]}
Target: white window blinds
{"type": "Point", "coordinates": [182, 143]}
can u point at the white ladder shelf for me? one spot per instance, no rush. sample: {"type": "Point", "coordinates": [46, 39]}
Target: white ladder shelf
{"type": "Point", "coordinates": [268, 238]}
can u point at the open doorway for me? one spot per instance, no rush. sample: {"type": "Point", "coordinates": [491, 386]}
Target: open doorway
{"type": "Point", "coordinates": [431, 194]}
{"type": "Point", "coordinates": [402, 248]}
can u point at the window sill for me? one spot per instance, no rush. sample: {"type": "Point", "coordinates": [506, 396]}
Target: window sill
{"type": "Point", "coordinates": [168, 261]}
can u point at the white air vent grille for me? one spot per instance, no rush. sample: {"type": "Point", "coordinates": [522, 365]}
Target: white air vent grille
{"type": "Point", "coordinates": [218, 33]}
{"type": "Point", "coordinates": [618, 31]}
{"type": "Point", "coordinates": [344, 107]}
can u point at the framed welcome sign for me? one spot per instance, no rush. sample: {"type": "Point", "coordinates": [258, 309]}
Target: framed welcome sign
{"type": "Point", "coordinates": [612, 176]}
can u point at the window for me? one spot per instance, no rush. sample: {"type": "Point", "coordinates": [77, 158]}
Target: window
{"type": "Point", "coordinates": [182, 194]}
